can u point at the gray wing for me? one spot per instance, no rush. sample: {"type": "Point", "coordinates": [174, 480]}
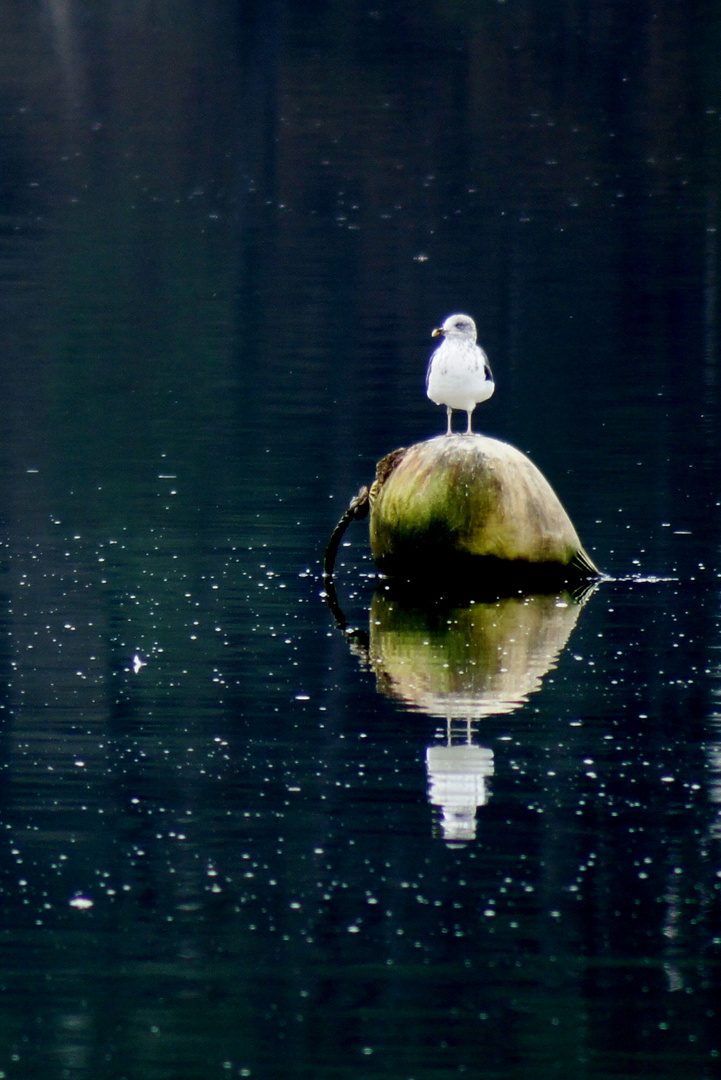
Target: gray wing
{"type": "Point", "coordinates": [483, 361]}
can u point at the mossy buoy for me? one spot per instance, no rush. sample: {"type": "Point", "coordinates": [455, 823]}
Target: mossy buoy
{"type": "Point", "coordinates": [471, 510]}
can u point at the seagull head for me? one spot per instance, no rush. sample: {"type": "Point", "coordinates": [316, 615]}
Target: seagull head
{"type": "Point", "coordinates": [457, 326]}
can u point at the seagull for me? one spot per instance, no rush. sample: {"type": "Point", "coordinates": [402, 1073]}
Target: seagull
{"type": "Point", "coordinates": [458, 374]}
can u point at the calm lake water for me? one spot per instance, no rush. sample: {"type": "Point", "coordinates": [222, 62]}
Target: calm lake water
{"type": "Point", "coordinates": [247, 832]}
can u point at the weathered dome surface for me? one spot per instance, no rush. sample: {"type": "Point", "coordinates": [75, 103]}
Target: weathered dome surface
{"type": "Point", "coordinates": [469, 504]}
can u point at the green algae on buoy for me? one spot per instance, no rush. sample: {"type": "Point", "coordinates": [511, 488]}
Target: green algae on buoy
{"type": "Point", "coordinates": [468, 509]}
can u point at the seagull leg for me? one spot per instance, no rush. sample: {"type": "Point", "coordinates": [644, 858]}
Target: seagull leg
{"type": "Point", "coordinates": [469, 429]}
{"type": "Point", "coordinates": [449, 410]}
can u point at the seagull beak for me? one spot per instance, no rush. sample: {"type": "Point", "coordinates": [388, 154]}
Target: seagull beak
{"type": "Point", "coordinates": [438, 332]}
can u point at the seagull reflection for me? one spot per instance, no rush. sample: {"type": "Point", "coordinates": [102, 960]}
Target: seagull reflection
{"type": "Point", "coordinates": [457, 774]}
{"type": "Point", "coordinates": [461, 662]}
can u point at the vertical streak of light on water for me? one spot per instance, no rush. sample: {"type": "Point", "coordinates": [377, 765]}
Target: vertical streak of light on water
{"type": "Point", "coordinates": [711, 283]}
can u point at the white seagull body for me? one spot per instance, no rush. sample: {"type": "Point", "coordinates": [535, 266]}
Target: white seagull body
{"type": "Point", "coordinates": [458, 374]}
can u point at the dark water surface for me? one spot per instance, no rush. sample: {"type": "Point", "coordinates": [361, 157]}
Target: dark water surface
{"type": "Point", "coordinates": [236, 837]}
